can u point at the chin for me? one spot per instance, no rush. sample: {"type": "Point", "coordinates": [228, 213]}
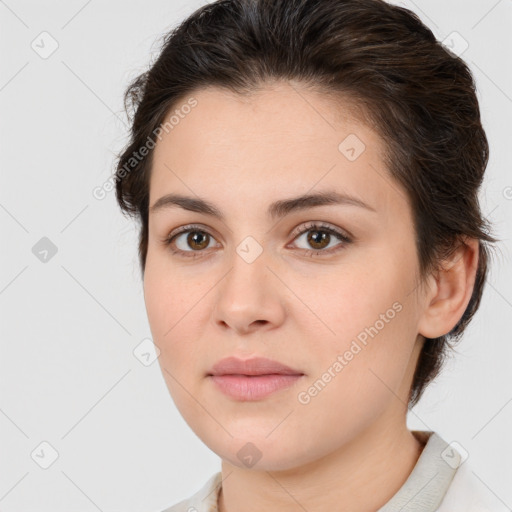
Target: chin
{"type": "Point", "coordinates": [259, 452]}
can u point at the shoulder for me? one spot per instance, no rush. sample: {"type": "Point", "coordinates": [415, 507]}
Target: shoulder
{"type": "Point", "coordinates": [204, 500]}
{"type": "Point", "coordinates": [469, 493]}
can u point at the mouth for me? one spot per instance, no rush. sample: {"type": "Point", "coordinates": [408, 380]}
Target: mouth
{"type": "Point", "coordinates": [251, 367]}
{"type": "Point", "coordinates": [252, 379]}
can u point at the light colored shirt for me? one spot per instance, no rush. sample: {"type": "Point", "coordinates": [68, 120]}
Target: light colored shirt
{"type": "Point", "coordinates": [441, 481]}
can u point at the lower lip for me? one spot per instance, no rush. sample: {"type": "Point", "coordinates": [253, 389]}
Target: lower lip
{"type": "Point", "coordinates": [257, 387]}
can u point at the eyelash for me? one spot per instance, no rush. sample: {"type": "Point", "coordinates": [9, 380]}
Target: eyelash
{"type": "Point", "coordinates": [313, 226]}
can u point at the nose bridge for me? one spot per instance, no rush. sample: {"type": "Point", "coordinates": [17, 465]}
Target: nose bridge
{"type": "Point", "coordinates": [248, 256]}
{"type": "Point", "coordinates": [248, 274]}
{"type": "Point", "coordinates": [247, 293]}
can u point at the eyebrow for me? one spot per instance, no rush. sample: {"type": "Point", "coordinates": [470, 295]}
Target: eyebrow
{"type": "Point", "coordinates": [276, 210]}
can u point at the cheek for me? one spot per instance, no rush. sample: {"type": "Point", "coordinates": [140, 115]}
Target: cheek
{"type": "Point", "coordinates": [167, 295]}
{"type": "Point", "coordinates": [173, 305]}
{"type": "Point", "coordinates": [355, 381]}
{"type": "Point", "coordinates": [164, 308]}
{"type": "Point", "coordinates": [367, 331]}
{"type": "Point", "coordinates": [344, 304]}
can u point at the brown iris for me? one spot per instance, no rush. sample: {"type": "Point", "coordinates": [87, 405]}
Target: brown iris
{"type": "Point", "coordinates": [202, 239]}
{"type": "Point", "coordinates": [322, 235]}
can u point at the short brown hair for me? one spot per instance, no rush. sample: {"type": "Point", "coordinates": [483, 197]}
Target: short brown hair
{"type": "Point", "coordinates": [418, 96]}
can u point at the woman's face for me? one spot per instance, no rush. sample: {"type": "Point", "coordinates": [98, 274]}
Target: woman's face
{"type": "Point", "coordinates": [260, 281]}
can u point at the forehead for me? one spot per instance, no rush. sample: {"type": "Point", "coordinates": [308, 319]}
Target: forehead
{"type": "Point", "coordinates": [281, 140]}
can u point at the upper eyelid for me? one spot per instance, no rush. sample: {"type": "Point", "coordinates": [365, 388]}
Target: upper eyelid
{"type": "Point", "coordinates": [309, 225]}
{"type": "Point", "coordinates": [299, 230]}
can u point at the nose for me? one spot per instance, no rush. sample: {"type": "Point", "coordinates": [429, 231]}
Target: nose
{"type": "Point", "coordinates": [249, 297]}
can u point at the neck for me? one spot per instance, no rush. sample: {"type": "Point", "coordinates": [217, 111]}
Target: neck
{"type": "Point", "coordinates": [362, 475]}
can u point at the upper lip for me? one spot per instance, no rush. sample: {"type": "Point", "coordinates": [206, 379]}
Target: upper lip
{"type": "Point", "coordinates": [253, 366]}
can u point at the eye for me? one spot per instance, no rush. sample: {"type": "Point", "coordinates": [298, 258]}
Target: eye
{"type": "Point", "coordinates": [197, 238]}
{"type": "Point", "coordinates": [319, 236]}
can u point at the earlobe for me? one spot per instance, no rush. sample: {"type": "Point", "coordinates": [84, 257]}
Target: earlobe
{"type": "Point", "coordinates": [451, 292]}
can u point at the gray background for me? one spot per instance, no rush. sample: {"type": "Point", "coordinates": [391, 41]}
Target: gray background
{"type": "Point", "coordinates": [70, 324]}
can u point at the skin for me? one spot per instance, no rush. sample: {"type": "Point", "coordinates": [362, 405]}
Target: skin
{"type": "Point", "coordinates": [243, 153]}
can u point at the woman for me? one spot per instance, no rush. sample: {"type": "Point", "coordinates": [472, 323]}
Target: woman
{"type": "Point", "coordinates": [306, 175]}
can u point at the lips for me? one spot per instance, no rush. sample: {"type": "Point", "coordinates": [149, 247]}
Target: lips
{"type": "Point", "coordinates": [253, 379]}
{"type": "Point", "coordinates": [251, 367]}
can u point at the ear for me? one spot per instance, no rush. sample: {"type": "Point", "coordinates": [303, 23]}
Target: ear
{"type": "Point", "coordinates": [450, 291]}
